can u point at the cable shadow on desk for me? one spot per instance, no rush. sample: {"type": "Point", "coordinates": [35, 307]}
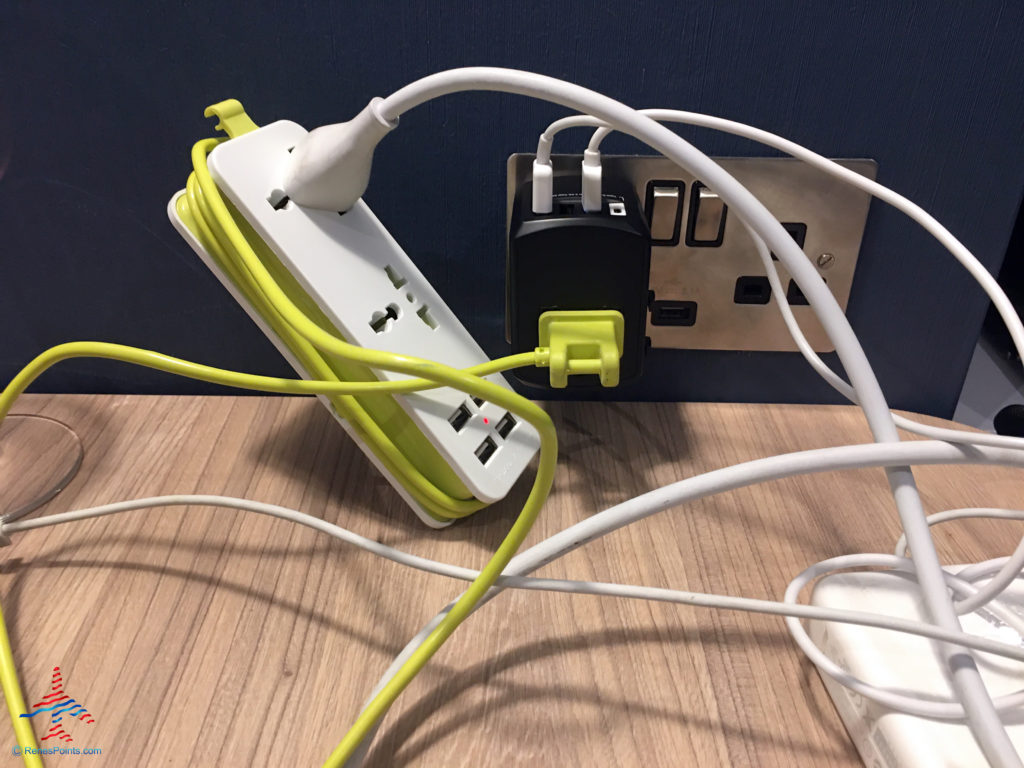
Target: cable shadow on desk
{"type": "Point", "coordinates": [608, 452]}
{"type": "Point", "coordinates": [454, 680]}
{"type": "Point", "coordinates": [410, 736]}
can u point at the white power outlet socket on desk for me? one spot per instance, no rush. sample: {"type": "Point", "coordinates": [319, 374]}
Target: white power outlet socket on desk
{"type": "Point", "coordinates": [372, 292]}
{"type": "Point", "coordinates": [887, 739]}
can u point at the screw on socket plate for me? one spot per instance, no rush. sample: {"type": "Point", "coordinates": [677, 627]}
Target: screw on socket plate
{"type": "Point", "coordinates": [825, 260]}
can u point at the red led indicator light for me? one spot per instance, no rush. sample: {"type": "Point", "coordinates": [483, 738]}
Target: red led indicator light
{"type": "Point", "coordinates": [486, 421]}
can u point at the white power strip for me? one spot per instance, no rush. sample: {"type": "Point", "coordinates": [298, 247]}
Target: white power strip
{"type": "Point", "coordinates": [376, 297]}
{"type": "Point", "coordinates": [887, 739]}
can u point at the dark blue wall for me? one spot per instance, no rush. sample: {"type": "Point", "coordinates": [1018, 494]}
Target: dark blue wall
{"type": "Point", "coordinates": [99, 106]}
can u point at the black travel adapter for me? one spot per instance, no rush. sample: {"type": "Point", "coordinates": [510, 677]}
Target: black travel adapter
{"type": "Point", "coordinates": [573, 260]}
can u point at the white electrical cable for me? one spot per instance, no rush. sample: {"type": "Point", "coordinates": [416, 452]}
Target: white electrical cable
{"type": "Point", "coordinates": [982, 716]}
{"type": "Point", "coordinates": [966, 258]}
{"type": "Point", "coordinates": [596, 588]}
{"type": "Point", "coordinates": [837, 383]}
{"type": "Point", "coordinates": [208, 500]}
{"type": "Point", "coordinates": [820, 461]}
{"type": "Point", "coordinates": [1009, 571]}
{"type": "Point", "coordinates": [1014, 564]}
{"type": "Point", "coordinates": [983, 570]}
{"type": "Point", "coordinates": [717, 481]}
{"type": "Point", "coordinates": [931, 225]}
{"type": "Point", "coordinates": [991, 513]}
{"type": "Point", "coordinates": [967, 585]}
{"type": "Point", "coordinates": [915, 212]}
{"type": "Point", "coordinates": [932, 706]}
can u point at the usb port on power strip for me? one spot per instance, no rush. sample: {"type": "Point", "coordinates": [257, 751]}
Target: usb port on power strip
{"type": "Point", "coordinates": [460, 418]}
{"type": "Point", "coordinates": [485, 450]}
{"type": "Point", "coordinates": [506, 425]}
{"type": "Point", "coordinates": [372, 292]}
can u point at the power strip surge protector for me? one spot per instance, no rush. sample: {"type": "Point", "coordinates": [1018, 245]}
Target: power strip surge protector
{"type": "Point", "coordinates": [910, 664]}
{"type": "Point", "coordinates": [369, 289]}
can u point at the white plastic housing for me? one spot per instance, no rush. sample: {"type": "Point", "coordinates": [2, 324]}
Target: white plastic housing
{"type": "Point", "coordinates": [330, 170]}
{"type": "Point", "coordinates": [286, 353]}
{"type": "Point", "coordinates": [887, 739]}
{"type": "Point", "coordinates": [373, 293]}
{"type": "Point", "coordinates": [590, 173]}
{"type": "Point", "coordinates": [542, 187]}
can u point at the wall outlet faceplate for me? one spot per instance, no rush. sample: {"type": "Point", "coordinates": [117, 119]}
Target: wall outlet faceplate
{"type": "Point", "coordinates": [710, 290]}
{"type": "Point", "coordinates": [372, 292]}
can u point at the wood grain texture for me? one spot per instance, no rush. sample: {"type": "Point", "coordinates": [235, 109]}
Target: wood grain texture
{"type": "Point", "coordinates": [215, 637]}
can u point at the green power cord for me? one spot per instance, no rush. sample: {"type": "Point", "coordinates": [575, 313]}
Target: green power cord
{"type": "Point", "coordinates": [344, 375]}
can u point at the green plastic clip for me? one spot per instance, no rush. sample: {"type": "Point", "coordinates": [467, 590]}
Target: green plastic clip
{"type": "Point", "coordinates": [576, 342]}
{"type": "Point", "coordinates": [233, 120]}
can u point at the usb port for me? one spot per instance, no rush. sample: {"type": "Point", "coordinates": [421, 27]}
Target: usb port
{"type": "Point", "coordinates": [506, 425]}
{"type": "Point", "coordinates": [460, 417]}
{"type": "Point", "coordinates": [674, 313]}
{"type": "Point", "coordinates": [485, 450]}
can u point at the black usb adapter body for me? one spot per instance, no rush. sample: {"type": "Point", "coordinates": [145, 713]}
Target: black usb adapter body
{"type": "Point", "coordinates": [573, 260]}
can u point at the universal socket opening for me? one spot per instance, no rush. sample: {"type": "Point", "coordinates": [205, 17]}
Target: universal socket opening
{"type": "Point", "coordinates": [485, 450]}
{"type": "Point", "coordinates": [505, 426]}
{"type": "Point", "coordinates": [479, 401]}
{"type": "Point", "coordinates": [279, 200]}
{"type": "Point", "coordinates": [460, 417]}
{"type": "Point", "coordinates": [382, 320]}
{"type": "Point", "coordinates": [424, 315]}
{"type": "Point", "coordinates": [396, 279]}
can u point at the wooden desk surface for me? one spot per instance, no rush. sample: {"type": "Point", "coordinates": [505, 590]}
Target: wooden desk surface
{"type": "Point", "coordinates": [215, 637]}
